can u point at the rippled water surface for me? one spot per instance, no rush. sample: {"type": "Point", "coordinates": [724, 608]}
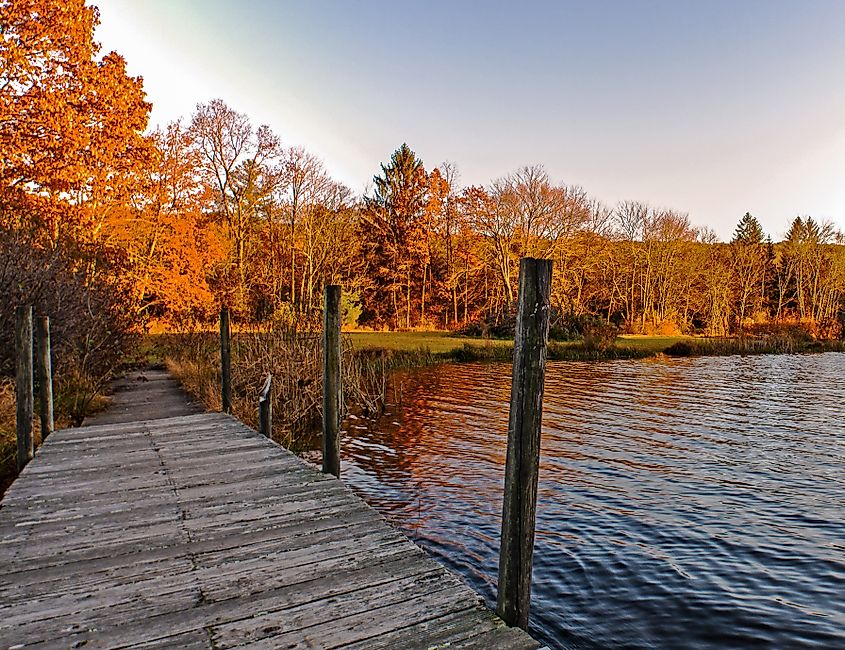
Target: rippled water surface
{"type": "Point", "coordinates": [682, 503]}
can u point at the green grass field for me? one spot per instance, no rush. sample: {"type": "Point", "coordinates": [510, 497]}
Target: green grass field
{"type": "Point", "coordinates": [149, 347]}
{"type": "Point", "coordinates": [435, 342]}
{"type": "Point", "coordinates": [649, 343]}
{"type": "Point", "coordinates": [440, 342]}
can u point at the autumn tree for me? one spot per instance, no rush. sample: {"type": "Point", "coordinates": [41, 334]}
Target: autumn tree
{"type": "Point", "coordinates": [630, 272]}
{"type": "Point", "coordinates": [809, 274]}
{"type": "Point", "coordinates": [544, 213]}
{"type": "Point", "coordinates": [432, 258]}
{"type": "Point", "coordinates": [492, 217]}
{"type": "Point", "coordinates": [393, 223]}
{"type": "Point", "coordinates": [244, 165]}
{"type": "Point", "coordinates": [652, 276]}
{"type": "Point", "coordinates": [580, 227]}
{"type": "Point", "coordinates": [532, 216]}
{"type": "Point", "coordinates": [308, 185]}
{"type": "Point", "coordinates": [73, 160]}
{"type": "Point", "coordinates": [710, 292]}
{"type": "Point", "coordinates": [749, 261]}
{"type": "Point", "coordinates": [174, 244]}
{"type": "Point", "coordinates": [328, 245]}
{"type": "Point", "coordinates": [451, 231]}
{"type": "Point", "coordinates": [71, 124]}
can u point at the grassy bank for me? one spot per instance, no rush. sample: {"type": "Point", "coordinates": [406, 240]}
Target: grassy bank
{"type": "Point", "coordinates": [750, 346]}
{"type": "Point", "coordinates": [445, 346]}
{"type": "Point", "coordinates": [429, 346]}
{"type": "Point", "coordinates": [434, 342]}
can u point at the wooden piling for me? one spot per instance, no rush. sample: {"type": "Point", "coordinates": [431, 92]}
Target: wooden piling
{"type": "Point", "coordinates": [45, 377]}
{"type": "Point", "coordinates": [265, 408]}
{"type": "Point", "coordinates": [523, 455]}
{"type": "Point", "coordinates": [24, 399]}
{"type": "Point", "coordinates": [225, 361]}
{"type": "Point", "coordinates": [332, 386]}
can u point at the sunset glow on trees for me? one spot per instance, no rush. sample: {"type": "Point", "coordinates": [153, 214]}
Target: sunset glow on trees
{"type": "Point", "coordinates": [215, 209]}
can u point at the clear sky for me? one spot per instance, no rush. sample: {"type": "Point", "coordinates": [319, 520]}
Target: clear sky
{"type": "Point", "coordinates": [711, 107]}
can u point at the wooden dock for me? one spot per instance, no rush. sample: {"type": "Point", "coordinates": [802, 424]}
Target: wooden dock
{"type": "Point", "coordinates": [156, 529]}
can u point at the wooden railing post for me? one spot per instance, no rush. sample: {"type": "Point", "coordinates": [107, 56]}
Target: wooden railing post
{"type": "Point", "coordinates": [332, 386]}
{"type": "Point", "coordinates": [265, 408]}
{"type": "Point", "coordinates": [225, 361]}
{"type": "Point", "coordinates": [523, 456]}
{"type": "Point", "coordinates": [23, 384]}
{"type": "Point", "coordinates": [45, 377]}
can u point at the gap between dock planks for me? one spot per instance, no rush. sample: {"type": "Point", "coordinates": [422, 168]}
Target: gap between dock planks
{"type": "Point", "coordinates": [195, 531]}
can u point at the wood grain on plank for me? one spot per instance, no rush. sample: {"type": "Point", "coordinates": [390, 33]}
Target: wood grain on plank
{"type": "Point", "coordinates": [195, 531]}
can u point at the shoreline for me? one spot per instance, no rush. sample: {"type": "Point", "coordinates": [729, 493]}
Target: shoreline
{"type": "Point", "coordinates": [500, 350]}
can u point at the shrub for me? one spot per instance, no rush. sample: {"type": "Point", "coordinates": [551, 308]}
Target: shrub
{"type": "Point", "coordinates": [8, 441]}
{"type": "Point", "coordinates": [783, 334]}
{"type": "Point", "coordinates": [598, 335]}
{"type": "Point", "coordinates": [90, 320]}
{"type": "Point", "coordinates": [495, 325]}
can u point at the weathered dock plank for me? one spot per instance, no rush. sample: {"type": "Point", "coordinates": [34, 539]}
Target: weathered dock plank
{"type": "Point", "coordinates": [145, 395]}
{"type": "Point", "coordinates": [195, 531]}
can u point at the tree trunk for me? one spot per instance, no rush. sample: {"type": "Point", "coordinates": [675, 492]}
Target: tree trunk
{"type": "Point", "coordinates": [422, 294]}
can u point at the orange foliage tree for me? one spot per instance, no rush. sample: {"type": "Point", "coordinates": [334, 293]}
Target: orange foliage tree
{"type": "Point", "coordinates": [175, 247]}
{"type": "Point", "coordinates": [71, 124]}
{"type": "Point", "coordinates": [73, 156]}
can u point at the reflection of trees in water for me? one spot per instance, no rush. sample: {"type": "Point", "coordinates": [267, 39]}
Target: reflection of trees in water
{"type": "Point", "coordinates": [445, 427]}
{"type": "Point", "coordinates": [440, 442]}
{"type": "Point", "coordinates": [651, 472]}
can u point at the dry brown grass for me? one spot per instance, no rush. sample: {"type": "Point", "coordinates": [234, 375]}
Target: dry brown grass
{"type": "Point", "coordinates": [75, 396]}
{"type": "Point", "coordinates": [294, 359]}
{"type": "Point", "coordinates": [8, 434]}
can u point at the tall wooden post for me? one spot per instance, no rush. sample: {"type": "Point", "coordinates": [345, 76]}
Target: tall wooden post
{"type": "Point", "coordinates": [523, 457]}
{"type": "Point", "coordinates": [225, 361]}
{"type": "Point", "coordinates": [23, 384]}
{"type": "Point", "coordinates": [45, 377]}
{"type": "Point", "coordinates": [332, 386]}
{"type": "Point", "coordinates": [265, 408]}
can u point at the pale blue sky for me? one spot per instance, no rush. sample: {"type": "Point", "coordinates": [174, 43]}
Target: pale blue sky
{"type": "Point", "coordinates": [710, 107]}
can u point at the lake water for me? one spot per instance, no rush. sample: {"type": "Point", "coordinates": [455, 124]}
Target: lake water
{"type": "Point", "coordinates": [692, 503]}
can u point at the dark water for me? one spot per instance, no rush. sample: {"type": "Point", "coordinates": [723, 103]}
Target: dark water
{"type": "Point", "coordinates": [683, 503]}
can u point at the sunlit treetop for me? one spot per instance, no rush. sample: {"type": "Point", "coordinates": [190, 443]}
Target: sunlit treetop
{"type": "Point", "coordinates": [71, 122]}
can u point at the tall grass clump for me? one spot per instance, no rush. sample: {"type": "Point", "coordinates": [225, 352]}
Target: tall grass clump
{"type": "Point", "coordinates": [769, 339]}
{"type": "Point", "coordinates": [295, 360]}
{"type": "Point", "coordinates": [581, 352]}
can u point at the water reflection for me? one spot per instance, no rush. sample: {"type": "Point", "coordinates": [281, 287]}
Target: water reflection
{"type": "Point", "coordinates": [683, 503]}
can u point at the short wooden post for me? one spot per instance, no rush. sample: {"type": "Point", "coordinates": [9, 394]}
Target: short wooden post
{"type": "Point", "coordinates": [523, 456]}
{"type": "Point", "coordinates": [265, 408]}
{"type": "Point", "coordinates": [332, 387]}
{"type": "Point", "coordinates": [24, 399]}
{"type": "Point", "coordinates": [225, 361]}
{"type": "Point", "coordinates": [45, 377]}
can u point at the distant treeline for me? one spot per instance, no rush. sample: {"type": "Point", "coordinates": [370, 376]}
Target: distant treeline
{"type": "Point", "coordinates": [167, 226]}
